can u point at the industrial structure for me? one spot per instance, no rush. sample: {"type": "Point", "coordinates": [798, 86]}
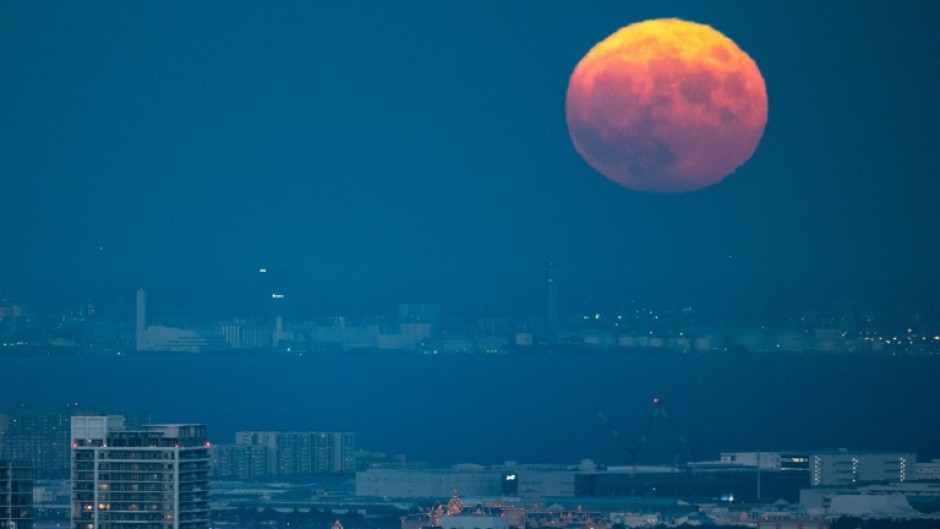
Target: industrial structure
{"type": "Point", "coordinates": [175, 339]}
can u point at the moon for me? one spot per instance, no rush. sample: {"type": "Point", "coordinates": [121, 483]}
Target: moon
{"type": "Point", "coordinates": [666, 106]}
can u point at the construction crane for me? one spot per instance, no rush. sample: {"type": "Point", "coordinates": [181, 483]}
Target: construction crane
{"type": "Point", "coordinates": [637, 444]}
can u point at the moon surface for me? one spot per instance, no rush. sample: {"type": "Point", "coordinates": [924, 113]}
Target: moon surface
{"type": "Point", "coordinates": [666, 106]}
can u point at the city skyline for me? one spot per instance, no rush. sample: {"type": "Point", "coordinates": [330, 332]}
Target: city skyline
{"type": "Point", "coordinates": [421, 152]}
{"type": "Point", "coordinates": [312, 228]}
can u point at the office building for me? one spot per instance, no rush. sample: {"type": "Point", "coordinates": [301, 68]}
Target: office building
{"type": "Point", "coordinates": [16, 495]}
{"type": "Point", "coordinates": [155, 478]}
{"type": "Point", "coordinates": [844, 467]}
{"type": "Point", "coordinates": [727, 482]}
{"type": "Point", "coordinates": [429, 483]}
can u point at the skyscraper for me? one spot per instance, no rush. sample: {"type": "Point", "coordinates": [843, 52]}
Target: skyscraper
{"type": "Point", "coordinates": [16, 495]}
{"type": "Point", "coordinates": [156, 478]}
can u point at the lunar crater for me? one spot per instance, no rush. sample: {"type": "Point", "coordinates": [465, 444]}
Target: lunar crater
{"type": "Point", "coordinates": [666, 106]}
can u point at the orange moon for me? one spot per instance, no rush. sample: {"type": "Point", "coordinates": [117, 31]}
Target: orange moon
{"type": "Point", "coordinates": [666, 106]}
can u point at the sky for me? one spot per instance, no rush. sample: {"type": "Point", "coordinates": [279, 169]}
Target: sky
{"type": "Point", "coordinates": [388, 151]}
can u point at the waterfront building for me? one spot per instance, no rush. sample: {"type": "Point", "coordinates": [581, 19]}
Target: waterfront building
{"type": "Point", "coordinates": [422, 320]}
{"type": "Point", "coordinates": [16, 495]}
{"type": "Point", "coordinates": [155, 478]}
{"type": "Point", "coordinates": [175, 339]}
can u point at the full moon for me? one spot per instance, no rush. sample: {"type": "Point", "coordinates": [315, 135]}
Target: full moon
{"type": "Point", "coordinates": [666, 106]}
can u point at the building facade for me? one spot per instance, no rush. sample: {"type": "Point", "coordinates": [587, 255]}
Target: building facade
{"type": "Point", "coordinates": [16, 495]}
{"type": "Point", "coordinates": [258, 454]}
{"type": "Point", "coordinates": [155, 478]}
{"type": "Point", "coordinates": [43, 440]}
{"type": "Point", "coordinates": [844, 467]}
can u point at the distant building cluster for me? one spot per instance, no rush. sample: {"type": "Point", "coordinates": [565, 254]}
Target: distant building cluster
{"type": "Point", "coordinates": [422, 327]}
{"type": "Point", "coordinates": [261, 455]}
{"type": "Point", "coordinates": [804, 332]}
{"type": "Point", "coordinates": [809, 486]}
{"type": "Point", "coordinates": [417, 326]}
{"type": "Point", "coordinates": [736, 476]}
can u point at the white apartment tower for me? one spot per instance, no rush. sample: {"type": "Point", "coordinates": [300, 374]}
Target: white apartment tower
{"type": "Point", "coordinates": [156, 478]}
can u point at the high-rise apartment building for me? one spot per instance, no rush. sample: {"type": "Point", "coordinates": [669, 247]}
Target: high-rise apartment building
{"type": "Point", "coordinates": [155, 478]}
{"type": "Point", "coordinates": [44, 440]}
{"type": "Point", "coordinates": [264, 454]}
{"type": "Point", "coordinates": [16, 495]}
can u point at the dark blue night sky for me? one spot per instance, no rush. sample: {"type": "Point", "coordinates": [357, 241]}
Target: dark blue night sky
{"type": "Point", "coordinates": [385, 151]}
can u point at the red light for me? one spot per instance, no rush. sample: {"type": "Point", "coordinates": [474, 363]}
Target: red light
{"type": "Point", "coordinates": [208, 444]}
